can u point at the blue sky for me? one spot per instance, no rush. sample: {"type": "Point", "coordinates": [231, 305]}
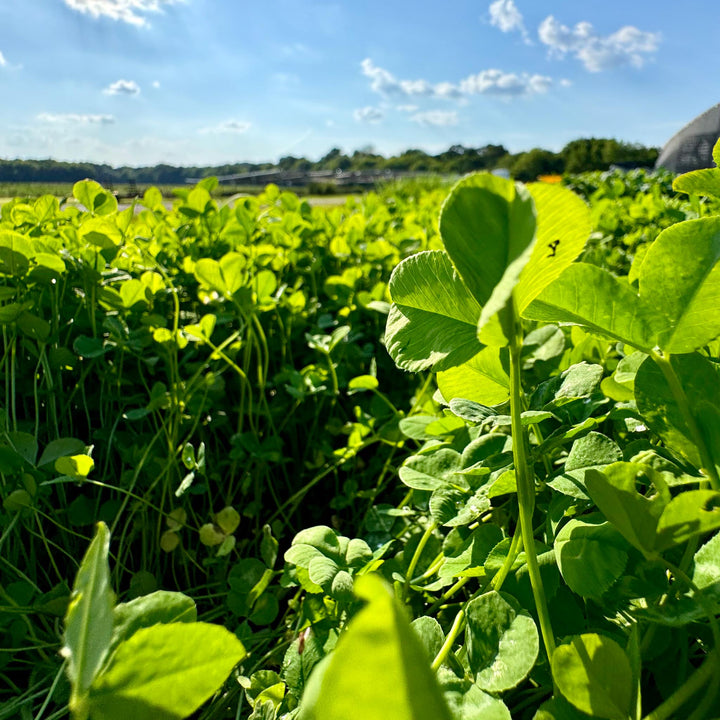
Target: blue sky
{"type": "Point", "coordinates": [204, 82]}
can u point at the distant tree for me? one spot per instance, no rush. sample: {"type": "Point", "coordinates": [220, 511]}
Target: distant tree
{"type": "Point", "coordinates": [600, 153]}
{"type": "Point", "coordinates": [529, 165]}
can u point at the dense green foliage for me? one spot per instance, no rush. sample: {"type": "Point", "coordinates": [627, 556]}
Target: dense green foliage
{"type": "Point", "coordinates": [578, 156]}
{"type": "Point", "coordinates": [211, 383]}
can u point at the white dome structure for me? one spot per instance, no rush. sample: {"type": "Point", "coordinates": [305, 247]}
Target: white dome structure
{"type": "Point", "coordinates": [691, 148]}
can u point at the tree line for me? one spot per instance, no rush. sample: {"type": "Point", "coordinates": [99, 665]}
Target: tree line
{"type": "Point", "coordinates": [577, 156]}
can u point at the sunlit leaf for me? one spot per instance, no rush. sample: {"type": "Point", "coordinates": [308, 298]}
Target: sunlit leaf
{"type": "Point", "coordinates": [432, 322]}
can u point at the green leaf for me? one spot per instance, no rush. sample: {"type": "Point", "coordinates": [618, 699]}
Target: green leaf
{"type": "Point", "coordinates": [160, 606]}
{"type": "Point", "coordinates": [363, 382]}
{"type": "Point", "coordinates": [320, 538]}
{"type": "Point", "coordinates": [486, 223]}
{"type": "Point", "coordinates": [635, 515]}
{"type": "Point", "coordinates": [431, 635]}
{"type": "Point", "coordinates": [132, 291]}
{"type": "Point", "coordinates": [590, 296]}
{"type": "Point", "coordinates": [477, 704]}
{"type": "Point", "coordinates": [706, 569]}
{"type": "Point", "coordinates": [431, 471]}
{"type": "Point", "coordinates": [482, 379]}
{"type": "Point", "coordinates": [268, 547]}
{"type": "Point", "coordinates": [15, 253]}
{"type": "Point", "coordinates": [17, 501]}
{"type": "Point", "coordinates": [358, 553]}
{"type": "Point", "coordinates": [47, 267]}
{"type": "Point", "coordinates": [165, 672]}
{"type": "Point", "coordinates": [594, 674]}
{"type": "Point", "coordinates": [502, 642]}
{"type": "Point", "coordinates": [691, 513]}
{"type": "Point", "coordinates": [594, 450]}
{"type": "Point", "coordinates": [591, 556]}
{"type": "Point", "coordinates": [224, 277]}
{"type": "Point", "coordinates": [680, 276]}
{"type": "Point", "coordinates": [322, 570]}
{"type": "Point", "coordinates": [558, 708]}
{"type": "Point", "coordinates": [563, 222]}
{"type": "Point", "coordinates": [433, 319]}
{"type": "Point", "coordinates": [89, 618]}
{"type": "Point", "coordinates": [25, 445]}
{"type": "Point", "coordinates": [700, 382]}
{"type": "Point", "coordinates": [264, 285]}
{"type": "Point", "coordinates": [94, 197]}
{"type": "Point", "coordinates": [701, 182]}
{"type": "Point", "coordinates": [228, 520]}
{"type": "Point", "coordinates": [75, 466]}
{"type": "Point", "coordinates": [34, 327]}
{"type": "Point", "coordinates": [378, 670]}
{"type": "Point", "coordinates": [100, 232]}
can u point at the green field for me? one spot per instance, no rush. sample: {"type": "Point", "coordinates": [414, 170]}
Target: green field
{"type": "Point", "coordinates": [470, 437]}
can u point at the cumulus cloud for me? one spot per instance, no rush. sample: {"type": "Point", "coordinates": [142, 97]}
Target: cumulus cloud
{"type": "Point", "coordinates": [436, 118]}
{"type": "Point", "coordinates": [490, 82]}
{"type": "Point", "coordinates": [122, 87]}
{"type": "Point", "coordinates": [3, 61]}
{"type": "Point", "coordinates": [133, 12]}
{"type": "Point", "coordinates": [505, 16]}
{"type": "Point", "coordinates": [407, 108]}
{"type": "Point", "coordinates": [627, 46]}
{"type": "Point", "coordinates": [75, 119]}
{"type": "Point", "coordinates": [229, 126]}
{"type": "Point", "coordinates": [497, 82]}
{"type": "Point", "coordinates": [369, 114]}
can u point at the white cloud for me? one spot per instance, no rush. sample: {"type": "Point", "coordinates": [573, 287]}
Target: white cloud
{"type": "Point", "coordinates": [407, 108]}
{"type": "Point", "coordinates": [436, 118]}
{"type": "Point", "coordinates": [369, 114]}
{"type": "Point", "coordinates": [491, 82]}
{"type": "Point", "coordinates": [505, 16]}
{"type": "Point", "coordinates": [627, 46]}
{"type": "Point", "coordinates": [497, 82]}
{"type": "Point", "coordinates": [229, 126]}
{"type": "Point", "coordinates": [3, 61]}
{"type": "Point", "coordinates": [75, 119]}
{"type": "Point", "coordinates": [156, 84]}
{"type": "Point", "coordinates": [129, 11]}
{"type": "Point", "coordinates": [381, 80]}
{"type": "Point", "coordinates": [122, 87]}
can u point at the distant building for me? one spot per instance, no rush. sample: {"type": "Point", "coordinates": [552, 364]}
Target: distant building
{"type": "Point", "coordinates": [691, 148]}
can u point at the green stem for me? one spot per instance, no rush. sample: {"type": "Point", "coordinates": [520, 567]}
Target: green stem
{"type": "Point", "coordinates": [459, 585]}
{"type": "Point", "coordinates": [513, 552]}
{"type": "Point", "coordinates": [429, 530]}
{"type": "Point", "coordinates": [526, 487]}
{"type": "Point", "coordinates": [457, 627]}
{"type": "Point", "coordinates": [434, 566]}
{"type": "Point", "coordinates": [663, 361]}
{"type": "Point", "coordinates": [696, 682]}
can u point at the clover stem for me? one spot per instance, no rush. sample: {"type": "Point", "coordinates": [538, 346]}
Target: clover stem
{"type": "Point", "coordinates": [696, 682]}
{"type": "Point", "coordinates": [526, 486]}
{"type": "Point", "coordinates": [429, 530]}
{"type": "Point", "coordinates": [513, 551]}
{"type": "Point", "coordinates": [457, 627]}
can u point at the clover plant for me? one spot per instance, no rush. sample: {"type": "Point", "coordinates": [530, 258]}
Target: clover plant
{"type": "Point", "coordinates": [148, 658]}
